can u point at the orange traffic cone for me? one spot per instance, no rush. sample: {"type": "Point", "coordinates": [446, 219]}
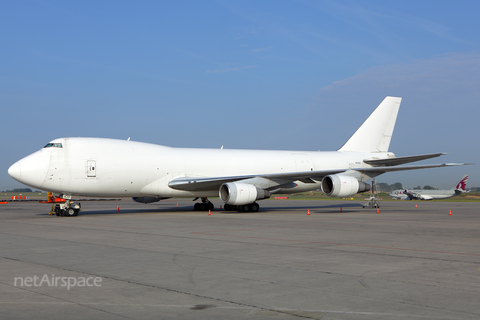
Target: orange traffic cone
{"type": "Point", "coordinates": [415, 206]}
{"type": "Point", "coordinates": [118, 209]}
{"type": "Point", "coordinates": [341, 209]}
{"type": "Point", "coordinates": [378, 210]}
{"type": "Point", "coordinates": [177, 205]}
{"type": "Point", "coordinates": [308, 212]}
{"type": "Point", "coordinates": [450, 213]}
{"type": "Point", "coordinates": [209, 212]}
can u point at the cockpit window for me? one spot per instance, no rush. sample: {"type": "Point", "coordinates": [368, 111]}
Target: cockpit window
{"type": "Point", "coordinates": [53, 145]}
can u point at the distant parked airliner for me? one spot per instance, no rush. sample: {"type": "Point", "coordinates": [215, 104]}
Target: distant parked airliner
{"type": "Point", "coordinates": [121, 168]}
{"type": "Point", "coordinates": [431, 194]}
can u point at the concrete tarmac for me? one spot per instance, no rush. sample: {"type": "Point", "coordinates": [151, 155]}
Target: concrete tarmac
{"type": "Point", "coordinates": [160, 261]}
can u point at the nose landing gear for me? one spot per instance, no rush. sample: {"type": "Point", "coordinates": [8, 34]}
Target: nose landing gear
{"type": "Point", "coordinates": [67, 208]}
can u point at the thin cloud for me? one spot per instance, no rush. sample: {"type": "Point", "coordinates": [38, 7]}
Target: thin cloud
{"type": "Point", "coordinates": [230, 69]}
{"type": "Point", "coordinates": [454, 71]}
{"type": "Point", "coordinates": [261, 49]}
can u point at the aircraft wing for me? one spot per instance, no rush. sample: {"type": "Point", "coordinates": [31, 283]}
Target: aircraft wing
{"type": "Point", "coordinates": [418, 196]}
{"type": "Point", "coordinates": [283, 179]}
{"type": "Point", "coordinates": [214, 183]}
{"type": "Point", "coordinates": [200, 183]}
{"type": "Point", "coordinates": [413, 196]}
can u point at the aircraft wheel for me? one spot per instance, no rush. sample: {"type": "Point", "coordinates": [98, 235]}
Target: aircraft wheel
{"type": "Point", "coordinates": [230, 207]}
{"type": "Point", "coordinates": [254, 207]}
{"type": "Point", "coordinates": [244, 208]}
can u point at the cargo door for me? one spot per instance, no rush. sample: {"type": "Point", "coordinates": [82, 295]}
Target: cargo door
{"type": "Point", "coordinates": [302, 162]}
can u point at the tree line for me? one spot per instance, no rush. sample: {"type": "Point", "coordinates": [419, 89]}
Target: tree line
{"type": "Point", "coordinates": [18, 190]}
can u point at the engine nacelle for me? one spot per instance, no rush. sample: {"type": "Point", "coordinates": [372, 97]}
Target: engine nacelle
{"type": "Point", "coordinates": [146, 199]}
{"type": "Point", "coordinates": [237, 193]}
{"type": "Point", "coordinates": [340, 185]}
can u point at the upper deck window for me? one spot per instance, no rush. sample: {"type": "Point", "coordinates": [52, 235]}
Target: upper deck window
{"type": "Point", "coordinates": [53, 145]}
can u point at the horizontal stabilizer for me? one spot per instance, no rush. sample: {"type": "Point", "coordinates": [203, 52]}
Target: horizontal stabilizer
{"type": "Point", "coordinates": [380, 170]}
{"type": "Point", "coordinates": [401, 160]}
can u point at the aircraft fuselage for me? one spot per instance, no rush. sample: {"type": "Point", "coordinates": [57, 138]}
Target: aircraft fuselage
{"type": "Point", "coordinates": [109, 167]}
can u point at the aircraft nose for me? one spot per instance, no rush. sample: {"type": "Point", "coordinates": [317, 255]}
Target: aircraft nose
{"type": "Point", "coordinates": [14, 171]}
{"type": "Point", "coordinates": [31, 170]}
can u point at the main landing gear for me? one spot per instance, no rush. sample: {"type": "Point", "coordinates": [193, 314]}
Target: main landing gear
{"type": "Point", "coordinates": [252, 207]}
{"type": "Point", "coordinates": [205, 205]}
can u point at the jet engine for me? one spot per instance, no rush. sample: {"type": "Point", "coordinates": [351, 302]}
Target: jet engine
{"type": "Point", "coordinates": [237, 193]}
{"type": "Point", "coordinates": [146, 199]}
{"type": "Point", "coordinates": [340, 185]}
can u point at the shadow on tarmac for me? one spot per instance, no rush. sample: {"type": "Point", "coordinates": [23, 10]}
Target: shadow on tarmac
{"type": "Point", "coordinates": [335, 208]}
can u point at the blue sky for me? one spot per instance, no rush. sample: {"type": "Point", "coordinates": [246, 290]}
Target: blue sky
{"type": "Point", "coordinates": [298, 75]}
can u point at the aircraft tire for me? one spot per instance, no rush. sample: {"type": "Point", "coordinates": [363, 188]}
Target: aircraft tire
{"type": "Point", "coordinates": [254, 207]}
{"type": "Point", "coordinates": [244, 208]}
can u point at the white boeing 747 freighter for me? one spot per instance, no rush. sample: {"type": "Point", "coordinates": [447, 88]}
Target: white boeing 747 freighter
{"type": "Point", "coordinates": [99, 167]}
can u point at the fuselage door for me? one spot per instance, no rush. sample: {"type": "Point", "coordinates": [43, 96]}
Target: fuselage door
{"type": "Point", "coordinates": [302, 162]}
{"type": "Point", "coordinates": [91, 168]}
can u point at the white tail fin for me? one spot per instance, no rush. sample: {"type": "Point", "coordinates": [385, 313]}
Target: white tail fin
{"type": "Point", "coordinates": [462, 184]}
{"type": "Point", "coordinates": [375, 133]}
